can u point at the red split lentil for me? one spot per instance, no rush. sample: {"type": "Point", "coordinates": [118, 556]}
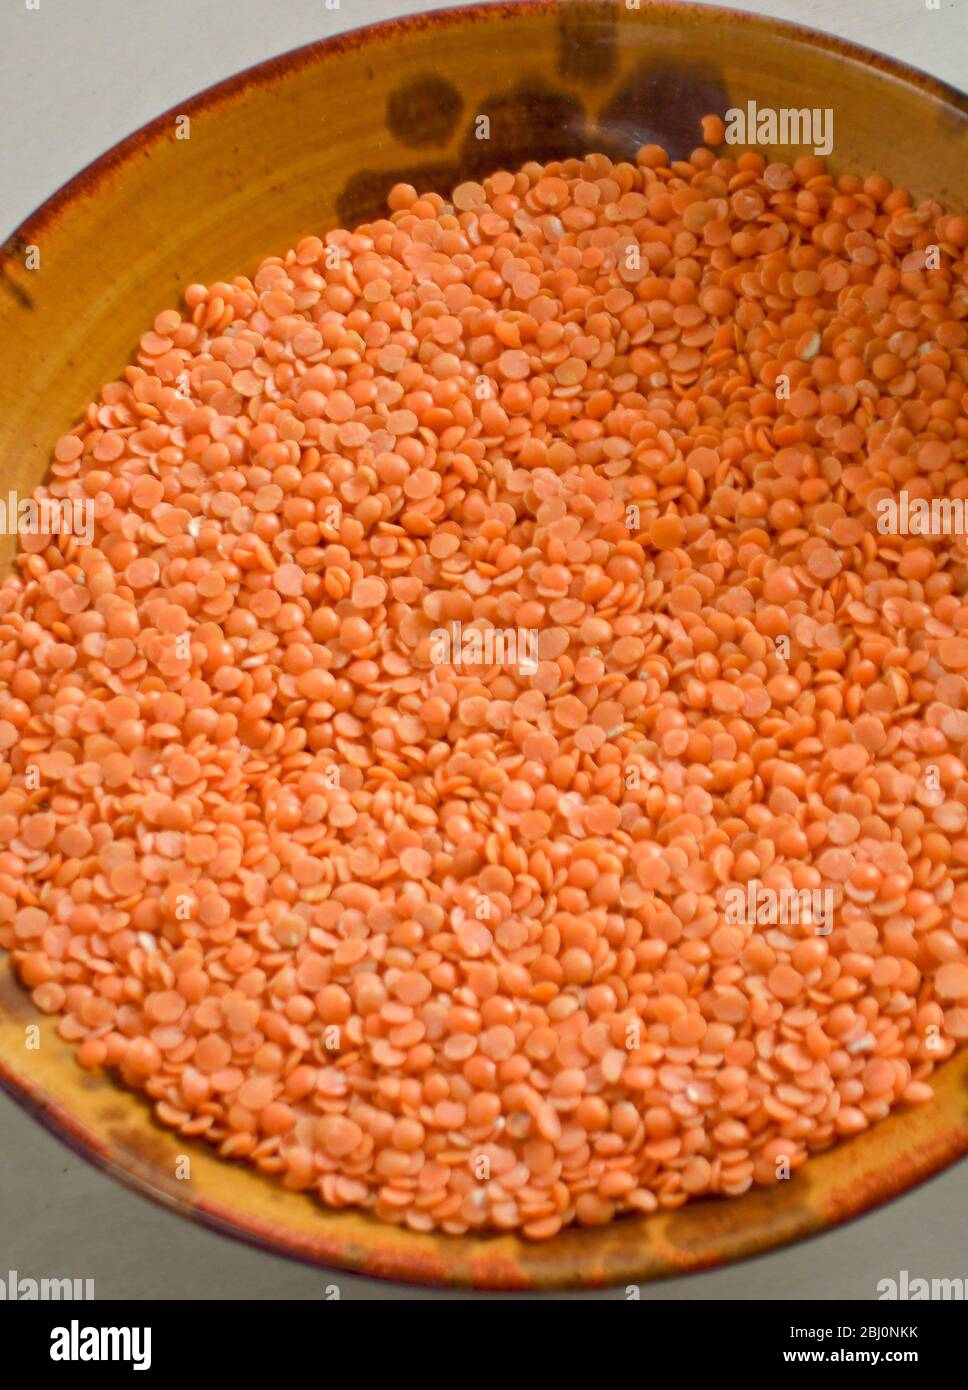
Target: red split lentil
{"type": "Point", "coordinates": [448, 943]}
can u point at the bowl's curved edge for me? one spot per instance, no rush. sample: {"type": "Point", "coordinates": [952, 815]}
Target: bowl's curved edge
{"type": "Point", "coordinates": [490, 1269]}
{"type": "Point", "coordinates": [86, 181]}
{"type": "Point", "coordinates": [142, 1178]}
{"type": "Point", "coordinates": [700, 1236]}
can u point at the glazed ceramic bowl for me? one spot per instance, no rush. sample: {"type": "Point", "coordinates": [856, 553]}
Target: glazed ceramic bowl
{"type": "Point", "coordinates": [293, 147]}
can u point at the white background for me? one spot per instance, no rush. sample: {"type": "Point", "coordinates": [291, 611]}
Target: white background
{"type": "Point", "coordinates": [77, 76]}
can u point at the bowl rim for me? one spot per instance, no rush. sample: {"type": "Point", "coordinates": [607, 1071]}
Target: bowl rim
{"type": "Point", "coordinates": [86, 183]}
{"type": "Point", "coordinates": [91, 175]}
{"type": "Point", "coordinates": [400, 1266]}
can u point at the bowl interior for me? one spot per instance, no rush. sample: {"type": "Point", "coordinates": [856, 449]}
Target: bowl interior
{"type": "Point", "coordinates": [316, 139]}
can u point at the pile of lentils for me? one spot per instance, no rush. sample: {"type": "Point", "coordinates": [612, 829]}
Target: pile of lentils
{"type": "Point", "coordinates": [448, 942]}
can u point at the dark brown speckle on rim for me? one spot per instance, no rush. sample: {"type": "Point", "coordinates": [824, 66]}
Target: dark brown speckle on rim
{"type": "Point", "coordinates": [587, 43]}
{"type": "Point", "coordinates": [424, 111]}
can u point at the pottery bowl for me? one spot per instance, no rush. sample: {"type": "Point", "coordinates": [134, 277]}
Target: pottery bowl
{"type": "Point", "coordinates": [316, 139]}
